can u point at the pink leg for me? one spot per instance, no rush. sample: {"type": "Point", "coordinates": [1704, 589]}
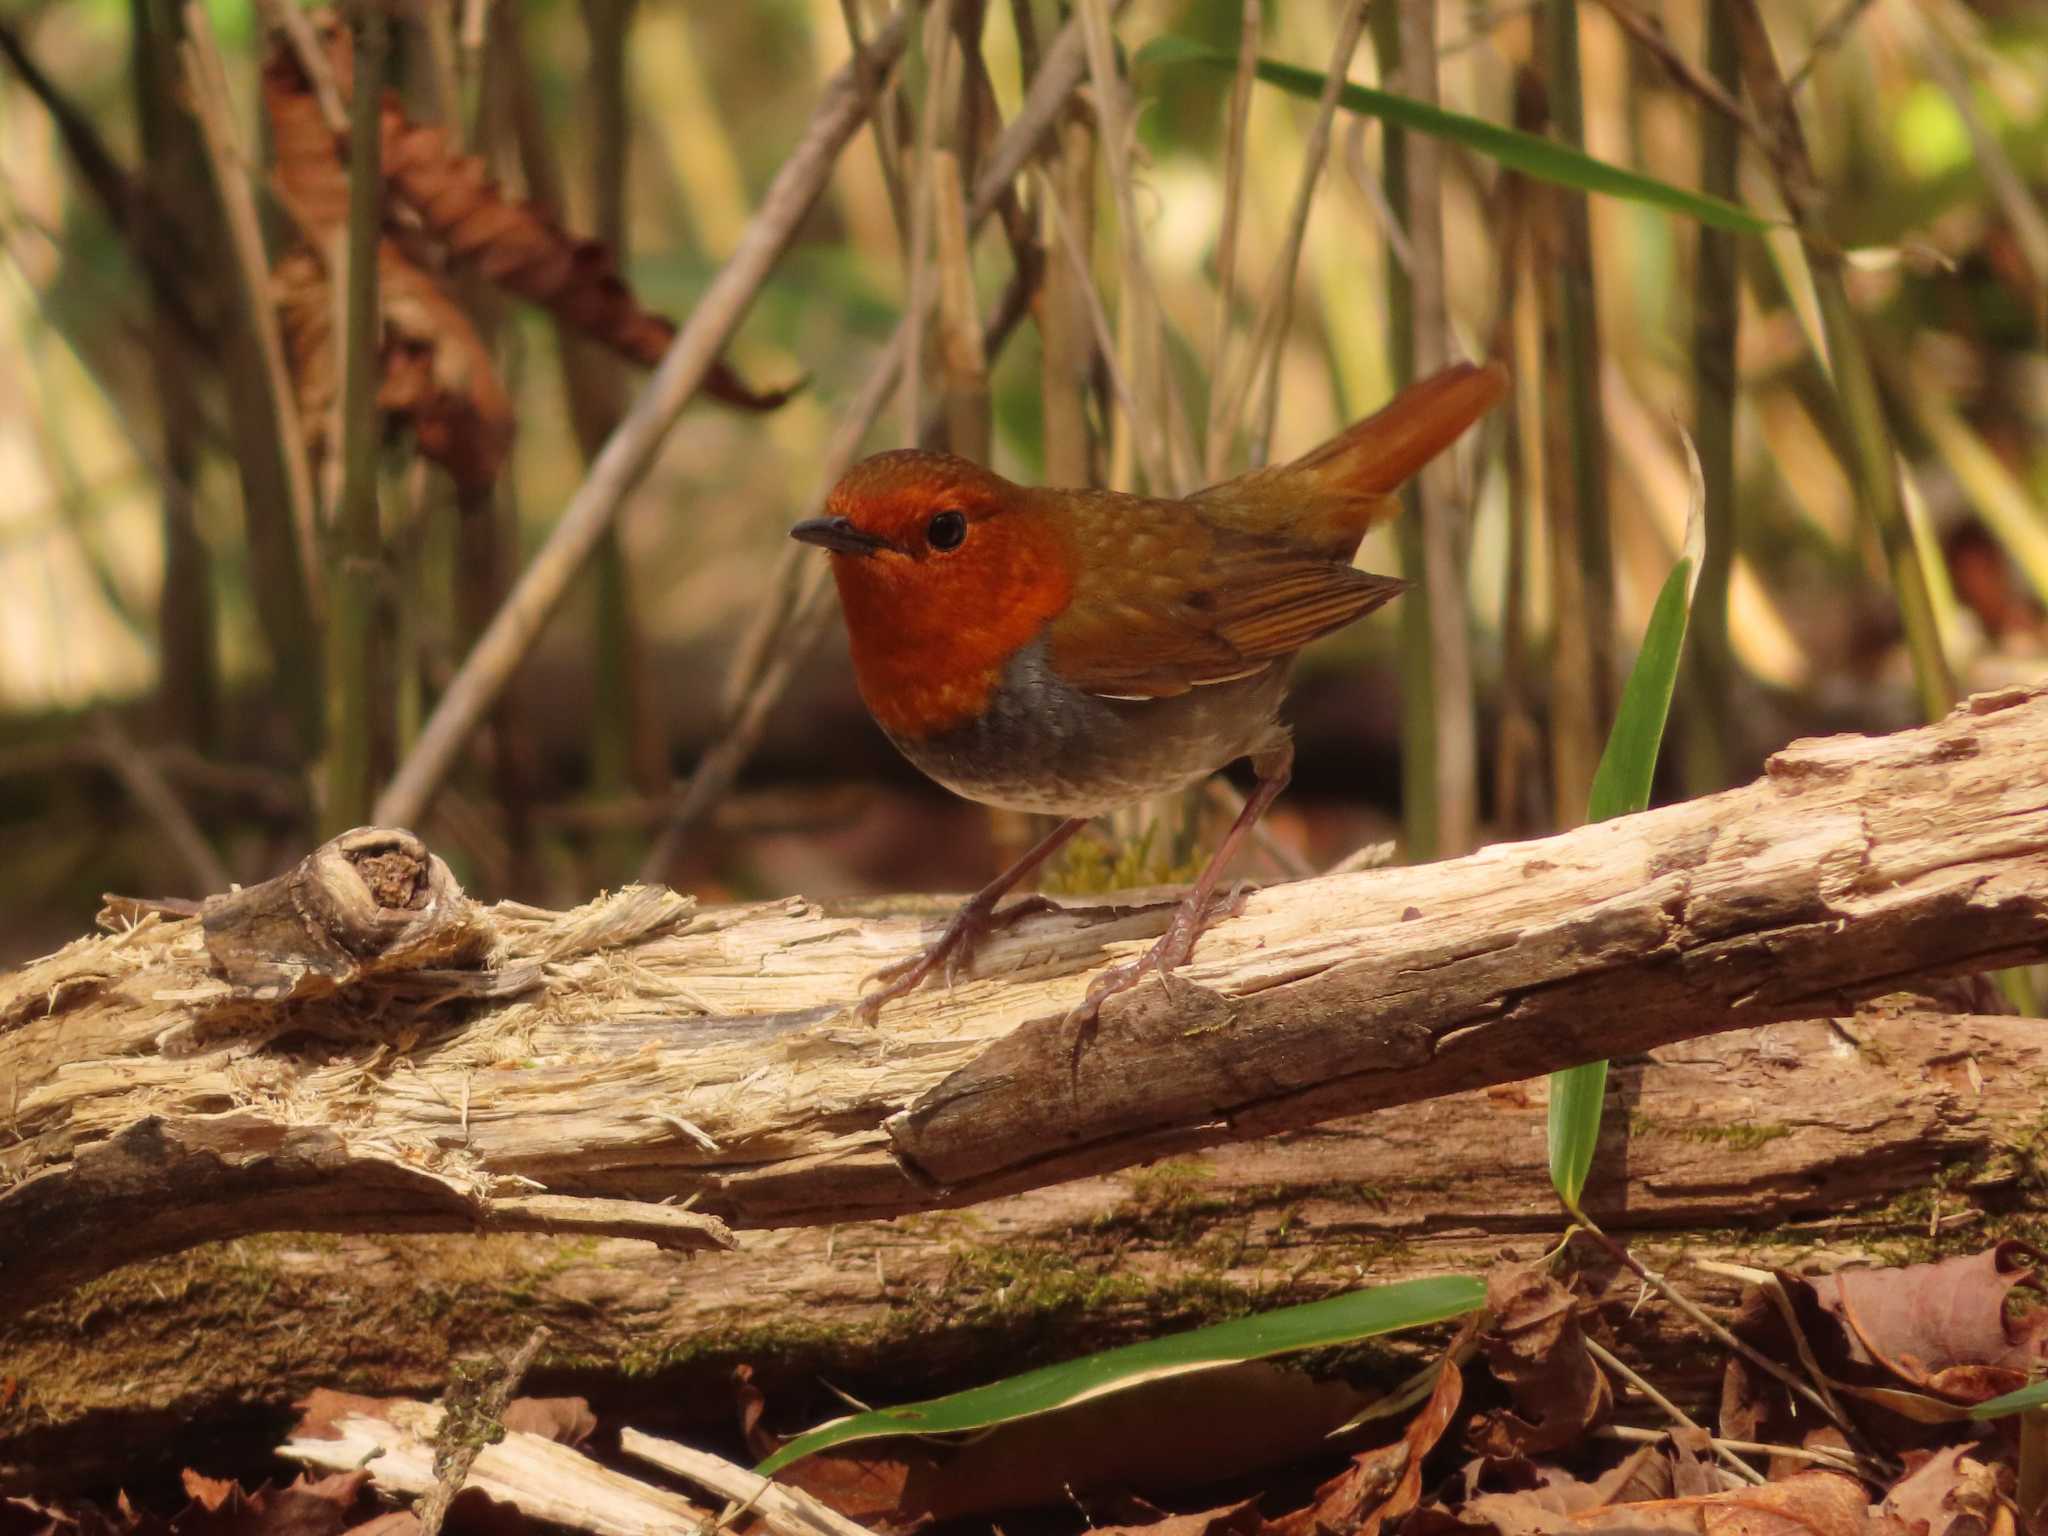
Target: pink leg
{"type": "Point", "coordinates": [976, 919]}
{"type": "Point", "coordinates": [1195, 911]}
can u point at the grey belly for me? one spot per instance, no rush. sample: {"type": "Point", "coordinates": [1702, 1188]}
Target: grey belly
{"type": "Point", "coordinates": [1047, 747]}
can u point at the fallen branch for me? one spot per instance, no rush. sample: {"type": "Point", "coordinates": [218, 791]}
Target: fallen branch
{"type": "Point", "coordinates": [359, 1047]}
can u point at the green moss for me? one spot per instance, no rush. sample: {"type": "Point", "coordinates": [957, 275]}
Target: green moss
{"type": "Point", "coordinates": [1091, 865]}
{"type": "Point", "coordinates": [1743, 1136]}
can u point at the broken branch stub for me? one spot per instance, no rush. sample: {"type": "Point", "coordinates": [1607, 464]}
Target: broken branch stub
{"type": "Point", "coordinates": [436, 1064]}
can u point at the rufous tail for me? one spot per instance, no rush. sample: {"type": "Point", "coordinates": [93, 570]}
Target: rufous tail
{"type": "Point", "coordinates": [1380, 454]}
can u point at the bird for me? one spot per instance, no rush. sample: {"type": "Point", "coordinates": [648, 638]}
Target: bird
{"type": "Point", "coordinates": [1071, 651]}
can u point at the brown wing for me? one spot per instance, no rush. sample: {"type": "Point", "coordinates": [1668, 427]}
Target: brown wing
{"type": "Point", "coordinates": [1216, 605]}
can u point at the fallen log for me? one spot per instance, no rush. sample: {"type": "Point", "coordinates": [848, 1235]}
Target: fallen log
{"type": "Point", "coordinates": [358, 1047]}
{"type": "Point", "coordinates": [1892, 1135]}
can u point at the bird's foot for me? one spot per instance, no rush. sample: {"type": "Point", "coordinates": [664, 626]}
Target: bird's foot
{"type": "Point", "coordinates": [1169, 953]}
{"type": "Point", "coordinates": [952, 952]}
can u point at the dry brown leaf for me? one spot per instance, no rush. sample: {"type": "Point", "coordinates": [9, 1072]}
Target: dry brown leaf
{"type": "Point", "coordinates": [1908, 1347]}
{"type": "Point", "coordinates": [1949, 1492]}
{"type": "Point", "coordinates": [1944, 1327]}
{"type": "Point", "coordinates": [1537, 1350]}
{"type": "Point", "coordinates": [1383, 1484]}
{"type": "Point", "coordinates": [565, 1420]}
{"type": "Point", "coordinates": [442, 205]}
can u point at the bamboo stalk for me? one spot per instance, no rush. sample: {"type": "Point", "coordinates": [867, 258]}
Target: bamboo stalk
{"type": "Point", "coordinates": [355, 673]}
{"type": "Point", "coordinates": [623, 746]}
{"type": "Point", "coordinates": [1444, 535]}
{"type": "Point", "coordinates": [1418, 660]}
{"type": "Point", "coordinates": [1709, 665]}
{"type": "Point", "coordinates": [1583, 564]}
{"type": "Point", "coordinates": [277, 481]}
{"type": "Point", "coordinates": [1063, 321]}
{"type": "Point", "coordinates": [188, 662]}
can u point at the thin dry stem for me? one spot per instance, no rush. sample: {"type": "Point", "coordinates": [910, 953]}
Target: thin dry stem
{"type": "Point", "coordinates": [1698, 1315]}
{"type": "Point", "coordinates": [453, 1465]}
{"type": "Point", "coordinates": [1676, 1414]}
{"type": "Point", "coordinates": [1076, 262]}
{"type": "Point", "coordinates": [1217, 437]}
{"type": "Point", "coordinates": [152, 793]}
{"type": "Point", "coordinates": [1650, 33]}
{"type": "Point", "coordinates": [1168, 462]}
{"type": "Point", "coordinates": [1279, 306]}
{"type": "Point", "coordinates": [291, 20]}
{"type": "Point", "coordinates": [784, 1510]}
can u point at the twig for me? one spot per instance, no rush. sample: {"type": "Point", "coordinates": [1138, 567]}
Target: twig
{"type": "Point", "coordinates": [787, 1511]}
{"type": "Point", "coordinates": [1685, 1304]}
{"type": "Point", "coordinates": [1821, 1456]}
{"type": "Point", "coordinates": [474, 1408]}
{"type": "Point", "coordinates": [130, 205]}
{"type": "Point", "coordinates": [291, 20]}
{"type": "Point", "coordinates": [1825, 41]}
{"type": "Point", "coordinates": [1649, 31]}
{"type": "Point", "coordinates": [1582, 664]}
{"type": "Point", "coordinates": [1067, 338]}
{"type": "Point", "coordinates": [146, 785]}
{"type": "Point", "coordinates": [1773, 1287]}
{"type": "Point", "coordinates": [631, 448]}
{"type": "Point", "coordinates": [1677, 1415]}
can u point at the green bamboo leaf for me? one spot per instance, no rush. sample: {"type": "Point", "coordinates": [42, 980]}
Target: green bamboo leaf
{"type": "Point", "coordinates": [1576, 1096]}
{"type": "Point", "coordinates": [1544, 159]}
{"type": "Point", "coordinates": [1621, 786]}
{"type": "Point", "coordinates": [2034, 1396]}
{"type": "Point", "coordinates": [1319, 1324]}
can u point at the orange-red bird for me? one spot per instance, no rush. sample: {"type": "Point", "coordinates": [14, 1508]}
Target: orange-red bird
{"type": "Point", "coordinates": [1071, 651]}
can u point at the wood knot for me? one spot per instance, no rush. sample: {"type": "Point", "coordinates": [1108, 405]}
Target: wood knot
{"type": "Point", "coordinates": [373, 901]}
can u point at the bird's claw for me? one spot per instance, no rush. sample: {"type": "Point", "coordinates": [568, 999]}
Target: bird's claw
{"type": "Point", "coordinates": [951, 952]}
{"type": "Point", "coordinates": [1173, 949]}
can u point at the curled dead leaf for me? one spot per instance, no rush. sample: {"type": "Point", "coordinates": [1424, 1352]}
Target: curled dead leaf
{"type": "Point", "coordinates": [1537, 1350]}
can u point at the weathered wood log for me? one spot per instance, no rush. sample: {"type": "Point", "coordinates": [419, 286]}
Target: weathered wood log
{"type": "Point", "coordinates": [1893, 1135]}
{"type": "Point", "coordinates": [269, 1066]}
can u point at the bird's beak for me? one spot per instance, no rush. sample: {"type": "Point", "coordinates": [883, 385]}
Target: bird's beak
{"type": "Point", "coordinates": [837, 535]}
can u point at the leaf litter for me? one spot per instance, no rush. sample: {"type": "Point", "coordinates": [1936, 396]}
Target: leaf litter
{"type": "Point", "coordinates": [1521, 1433]}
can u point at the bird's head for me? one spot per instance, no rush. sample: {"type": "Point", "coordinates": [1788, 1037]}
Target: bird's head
{"type": "Point", "coordinates": [945, 571]}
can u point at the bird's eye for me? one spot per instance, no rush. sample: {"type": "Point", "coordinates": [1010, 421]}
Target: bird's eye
{"type": "Point", "coordinates": [946, 530]}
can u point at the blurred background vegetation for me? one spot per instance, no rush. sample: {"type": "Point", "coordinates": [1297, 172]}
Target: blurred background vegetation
{"type": "Point", "coordinates": [166, 718]}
